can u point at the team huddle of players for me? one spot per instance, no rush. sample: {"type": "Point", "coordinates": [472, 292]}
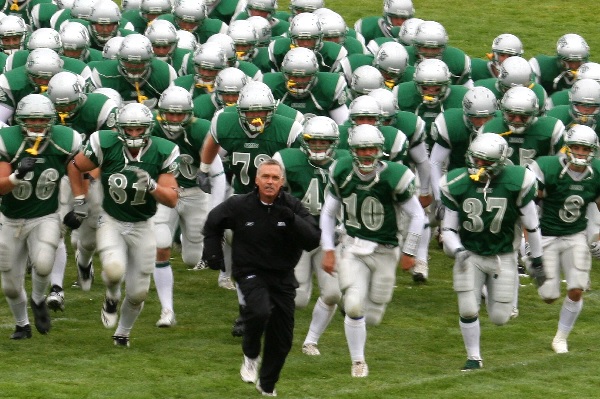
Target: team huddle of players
{"type": "Point", "coordinates": [128, 124]}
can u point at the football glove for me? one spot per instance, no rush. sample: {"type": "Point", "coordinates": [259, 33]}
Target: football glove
{"type": "Point", "coordinates": [203, 181]}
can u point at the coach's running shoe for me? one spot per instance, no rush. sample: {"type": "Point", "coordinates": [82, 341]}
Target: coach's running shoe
{"type": "Point", "coordinates": [310, 350]}
{"type": "Point", "coordinates": [420, 272]}
{"type": "Point", "coordinates": [359, 369]}
{"type": "Point", "coordinates": [21, 332]}
{"type": "Point", "coordinates": [121, 340]}
{"type": "Point", "coordinates": [559, 345]}
{"type": "Point", "coordinates": [472, 364]}
{"type": "Point", "coordinates": [109, 313]}
{"type": "Point", "coordinates": [56, 299]}
{"type": "Point", "coordinates": [85, 275]}
{"type": "Point", "coordinates": [201, 265]}
{"type": "Point", "coordinates": [238, 328]}
{"type": "Point", "coordinates": [41, 316]}
{"type": "Point", "coordinates": [263, 392]}
{"type": "Point", "coordinates": [249, 369]}
{"type": "Point", "coordinates": [167, 318]}
{"type": "Point", "coordinates": [225, 282]}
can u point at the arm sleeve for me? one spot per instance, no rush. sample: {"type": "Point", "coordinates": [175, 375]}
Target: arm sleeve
{"type": "Point", "coordinates": [418, 155]}
{"type": "Point", "coordinates": [330, 208]}
{"type": "Point", "coordinates": [413, 245]}
{"type": "Point", "coordinates": [439, 155]}
{"type": "Point", "coordinates": [450, 231]}
{"type": "Point", "coordinates": [530, 221]}
{"type": "Point", "coordinates": [218, 182]}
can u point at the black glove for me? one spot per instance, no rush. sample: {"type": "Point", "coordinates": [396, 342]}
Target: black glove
{"type": "Point", "coordinates": [203, 181]}
{"type": "Point", "coordinates": [25, 166]}
{"type": "Point", "coordinates": [284, 213]}
{"type": "Point", "coordinates": [439, 210]}
{"type": "Point", "coordinates": [215, 264]}
{"type": "Point", "coordinates": [74, 218]}
{"type": "Point", "coordinates": [72, 221]}
{"type": "Point", "coordinates": [537, 271]}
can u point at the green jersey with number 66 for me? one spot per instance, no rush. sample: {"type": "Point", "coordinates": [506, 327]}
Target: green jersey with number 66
{"type": "Point", "coordinates": [37, 194]}
{"type": "Point", "coordinates": [488, 213]}
{"type": "Point", "coordinates": [124, 200]}
{"type": "Point", "coordinates": [566, 194]}
{"type": "Point", "coordinates": [370, 205]}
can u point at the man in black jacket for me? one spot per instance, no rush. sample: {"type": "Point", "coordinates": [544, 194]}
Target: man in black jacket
{"type": "Point", "coordinates": [270, 230]}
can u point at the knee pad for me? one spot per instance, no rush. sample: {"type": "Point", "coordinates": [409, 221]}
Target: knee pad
{"type": "Point", "coordinates": [164, 235]}
{"type": "Point", "coordinates": [302, 297]}
{"type": "Point", "coordinates": [191, 254]}
{"type": "Point", "coordinates": [353, 307]}
{"type": "Point", "coordinates": [113, 271]}
{"type": "Point", "coordinates": [374, 313]}
{"type": "Point", "coordinates": [499, 313]}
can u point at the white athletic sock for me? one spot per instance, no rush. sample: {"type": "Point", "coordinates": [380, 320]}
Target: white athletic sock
{"type": "Point", "coordinates": [18, 307]}
{"type": "Point", "coordinates": [568, 315]}
{"type": "Point", "coordinates": [129, 315]}
{"type": "Point", "coordinates": [321, 317]}
{"type": "Point", "coordinates": [471, 333]}
{"type": "Point", "coordinates": [163, 280]}
{"type": "Point", "coordinates": [356, 335]}
{"type": "Point", "coordinates": [60, 262]}
{"type": "Point", "coordinates": [39, 285]}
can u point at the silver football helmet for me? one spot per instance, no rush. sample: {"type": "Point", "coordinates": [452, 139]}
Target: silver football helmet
{"type": "Point", "coordinates": [66, 90]}
{"type": "Point", "coordinates": [430, 40]}
{"type": "Point", "coordinates": [300, 68]}
{"type": "Point", "coordinates": [228, 46]}
{"type": "Point", "coordinates": [62, 4]}
{"type": "Point", "coordinates": [391, 60]}
{"type": "Point", "coordinates": [40, 109]}
{"type": "Point", "coordinates": [244, 37]}
{"type": "Point", "coordinates": [519, 107]}
{"type": "Point", "coordinates": [111, 48]}
{"type": "Point", "coordinates": [13, 31]}
{"type": "Point", "coordinates": [81, 9]}
{"type": "Point", "coordinates": [320, 137]}
{"type": "Point", "coordinates": [584, 136]}
{"type": "Point", "coordinates": [333, 25]}
{"type": "Point", "coordinates": [479, 106]}
{"type": "Point", "coordinates": [42, 64]}
{"type": "Point", "coordinates": [587, 70]}
{"type": "Point", "coordinates": [228, 84]}
{"type": "Point", "coordinates": [163, 36]}
{"type": "Point", "coordinates": [492, 149]}
{"type": "Point", "coordinates": [409, 30]}
{"type": "Point", "coordinates": [504, 45]}
{"type": "Point", "coordinates": [135, 56]}
{"type": "Point", "coordinates": [514, 71]}
{"type": "Point", "coordinates": [584, 97]}
{"type": "Point", "coordinates": [266, 8]}
{"type": "Point", "coordinates": [186, 40]}
{"type": "Point", "coordinates": [256, 106]}
{"type": "Point", "coordinates": [306, 31]}
{"type": "Point", "coordinates": [209, 59]}
{"type": "Point", "coordinates": [134, 115]}
{"type": "Point", "coordinates": [175, 100]}
{"type": "Point", "coordinates": [300, 6]}
{"type": "Point", "coordinates": [365, 109]}
{"type": "Point", "coordinates": [388, 102]}
{"type": "Point", "coordinates": [112, 94]}
{"type": "Point", "coordinates": [365, 78]}
{"type": "Point", "coordinates": [104, 21]}
{"type": "Point", "coordinates": [150, 9]}
{"type": "Point", "coordinates": [263, 30]}
{"type": "Point", "coordinates": [75, 39]}
{"type": "Point", "coordinates": [45, 38]}
{"type": "Point", "coordinates": [191, 12]}
{"type": "Point", "coordinates": [127, 5]}
{"type": "Point", "coordinates": [572, 51]}
{"type": "Point", "coordinates": [365, 136]}
{"type": "Point", "coordinates": [397, 9]}
{"type": "Point", "coordinates": [432, 73]}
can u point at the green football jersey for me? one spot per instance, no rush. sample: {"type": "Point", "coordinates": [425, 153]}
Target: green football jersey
{"type": "Point", "coordinates": [481, 69]}
{"type": "Point", "coordinates": [190, 144]}
{"type": "Point", "coordinates": [207, 28]}
{"type": "Point", "coordinates": [124, 200]}
{"type": "Point", "coordinates": [222, 9]}
{"type": "Point", "coordinates": [245, 152]}
{"type": "Point", "coordinates": [261, 59]}
{"type": "Point", "coordinates": [489, 214]}
{"type": "Point", "coordinates": [563, 113]}
{"type": "Point", "coordinates": [328, 55]}
{"type": "Point", "coordinates": [372, 27]}
{"type": "Point", "coordinates": [449, 131]}
{"type": "Point", "coordinates": [278, 26]}
{"type": "Point", "coordinates": [370, 205]}
{"type": "Point", "coordinates": [205, 106]}
{"type": "Point", "coordinates": [14, 85]}
{"type": "Point", "coordinates": [281, 109]}
{"type": "Point", "coordinates": [328, 93]}
{"type": "Point", "coordinates": [395, 145]}
{"type": "Point", "coordinates": [41, 14]}
{"type": "Point", "coordinates": [560, 98]}
{"type": "Point", "coordinates": [97, 112]}
{"type": "Point", "coordinates": [37, 194]}
{"type": "Point", "coordinates": [413, 126]}
{"type": "Point", "coordinates": [19, 59]}
{"type": "Point", "coordinates": [492, 85]}
{"type": "Point", "coordinates": [188, 82]}
{"type": "Point", "coordinates": [459, 63]}
{"type": "Point", "coordinates": [549, 73]}
{"type": "Point", "coordinates": [543, 137]}
{"type": "Point", "coordinates": [566, 195]}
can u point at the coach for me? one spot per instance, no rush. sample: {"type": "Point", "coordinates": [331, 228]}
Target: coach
{"type": "Point", "coordinates": [270, 230]}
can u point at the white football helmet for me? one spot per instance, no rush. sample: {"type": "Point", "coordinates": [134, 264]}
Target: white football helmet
{"type": "Point", "coordinates": [42, 64]}
{"type": "Point", "coordinates": [589, 70]}
{"type": "Point", "coordinates": [514, 71]}
{"type": "Point", "coordinates": [228, 46]}
{"type": "Point", "coordinates": [68, 4]}
{"type": "Point", "coordinates": [300, 6]}
{"type": "Point", "coordinates": [175, 100]}
{"type": "Point", "coordinates": [163, 36]}
{"type": "Point", "coordinates": [430, 40]}
{"type": "Point", "coordinates": [333, 25]}
{"type": "Point", "coordinates": [12, 26]}
{"type": "Point", "coordinates": [190, 11]}
{"type": "Point", "coordinates": [572, 50]}
{"type": "Point", "coordinates": [490, 148]}
{"type": "Point", "coordinates": [263, 30]}
{"type": "Point", "coordinates": [111, 48]}
{"type": "Point", "coordinates": [266, 8]}
{"type": "Point", "coordinates": [150, 9]}
{"type": "Point", "coordinates": [186, 40]}
{"type": "Point", "coordinates": [388, 102]}
{"type": "Point", "coordinates": [584, 97]}
{"type": "Point", "coordinates": [479, 105]}
{"type": "Point", "coordinates": [104, 13]}
{"type": "Point", "coordinates": [521, 103]}
{"type": "Point", "coordinates": [229, 82]}
{"type": "Point", "coordinates": [127, 5]}
{"type": "Point", "coordinates": [134, 115]}
{"type": "Point", "coordinates": [112, 94]}
{"type": "Point", "coordinates": [244, 37]}
{"type": "Point", "coordinates": [256, 97]}
{"type": "Point", "coordinates": [300, 68]}
{"type": "Point", "coordinates": [135, 56]}
{"type": "Point", "coordinates": [583, 136]}
{"type": "Point", "coordinates": [433, 73]}
{"type": "Point", "coordinates": [397, 9]}
{"type": "Point", "coordinates": [209, 59]}
{"type": "Point", "coordinates": [391, 60]}
{"type": "Point", "coordinates": [366, 78]}
{"type": "Point", "coordinates": [409, 30]}
{"type": "Point", "coordinates": [306, 31]}
{"type": "Point", "coordinates": [81, 9]}
{"type": "Point", "coordinates": [320, 128]}
{"type": "Point", "coordinates": [66, 90]}
{"type": "Point", "coordinates": [503, 45]}
{"type": "Point", "coordinates": [365, 136]}
{"type": "Point", "coordinates": [45, 38]}
{"type": "Point", "coordinates": [39, 108]}
{"type": "Point", "coordinates": [365, 107]}
{"type": "Point", "coordinates": [75, 38]}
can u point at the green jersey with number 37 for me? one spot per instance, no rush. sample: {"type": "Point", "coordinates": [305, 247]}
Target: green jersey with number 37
{"type": "Point", "coordinates": [488, 214]}
{"type": "Point", "coordinates": [124, 200]}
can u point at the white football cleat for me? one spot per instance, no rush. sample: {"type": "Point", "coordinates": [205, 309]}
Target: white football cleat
{"type": "Point", "coordinates": [249, 369]}
{"type": "Point", "coordinates": [225, 282]}
{"type": "Point", "coordinates": [109, 313]}
{"type": "Point", "coordinates": [310, 350]}
{"type": "Point", "coordinates": [167, 318]}
{"type": "Point", "coordinates": [360, 369]}
{"type": "Point", "coordinates": [559, 345]}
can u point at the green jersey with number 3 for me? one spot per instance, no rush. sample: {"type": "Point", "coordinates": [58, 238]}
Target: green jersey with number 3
{"type": "Point", "coordinates": [37, 194]}
{"type": "Point", "coordinates": [566, 195]}
{"type": "Point", "coordinates": [488, 214]}
{"type": "Point", "coordinates": [124, 199]}
{"type": "Point", "coordinates": [370, 205]}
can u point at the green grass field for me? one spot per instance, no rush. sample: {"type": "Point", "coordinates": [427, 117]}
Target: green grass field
{"type": "Point", "coordinates": [416, 352]}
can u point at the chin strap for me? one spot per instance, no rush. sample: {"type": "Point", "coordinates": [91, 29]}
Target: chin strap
{"type": "Point", "coordinates": [509, 132]}
{"type": "Point", "coordinates": [34, 150]}
{"type": "Point", "coordinates": [140, 97]}
{"type": "Point", "coordinates": [390, 84]}
{"type": "Point", "coordinates": [208, 86]}
{"type": "Point", "coordinates": [477, 175]}
{"type": "Point", "coordinates": [63, 117]}
{"type": "Point", "coordinates": [15, 5]}
{"type": "Point", "coordinates": [43, 88]}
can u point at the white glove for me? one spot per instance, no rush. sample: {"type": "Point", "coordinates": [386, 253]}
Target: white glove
{"type": "Point", "coordinates": [595, 249]}
{"type": "Point", "coordinates": [144, 180]}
